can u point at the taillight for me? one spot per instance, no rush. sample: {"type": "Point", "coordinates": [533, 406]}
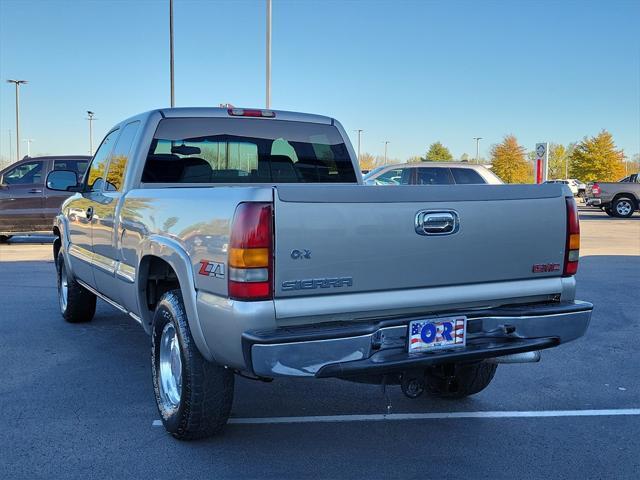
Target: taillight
{"type": "Point", "coordinates": [595, 189]}
{"type": "Point", "coordinates": [251, 252]}
{"type": "Point", "coordinates": [245, 112]}
{"type": "Point", "coordinates": [572, 249]}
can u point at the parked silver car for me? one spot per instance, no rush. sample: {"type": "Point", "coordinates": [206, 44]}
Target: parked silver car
{"type": "Point", "coordinates": [432, 173]}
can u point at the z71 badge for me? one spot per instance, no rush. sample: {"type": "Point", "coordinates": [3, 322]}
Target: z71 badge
{"type": "Point", "coordinates": [211, 269]}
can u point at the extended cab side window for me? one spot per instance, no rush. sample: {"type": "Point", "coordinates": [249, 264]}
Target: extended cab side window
{"type": "Point", "coordinates": [96, 173]}
{"type": "Point", "coordinates": [120, 157]}
{"type": "Point", "coordinates": [25, 174]}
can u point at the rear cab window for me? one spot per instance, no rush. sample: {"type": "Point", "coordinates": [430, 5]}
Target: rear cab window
{"type": "Point", "coordinates": [224, 150]}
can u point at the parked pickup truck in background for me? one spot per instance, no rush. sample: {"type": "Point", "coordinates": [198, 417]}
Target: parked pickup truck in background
{"type": "Point", "coordinates": [244, 242]}
{"type": "Point", "coordinates": [26, 205]}
{"type": "Point", "coordinates": [618, 199]}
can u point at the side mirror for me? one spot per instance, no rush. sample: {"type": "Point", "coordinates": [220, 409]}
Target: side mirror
{"type": "Point", "coordinates": [63, 180]}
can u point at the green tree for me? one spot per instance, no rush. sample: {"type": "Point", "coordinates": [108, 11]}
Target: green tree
{"type": "Point", "coordinates": [558, 161]}
{"type": "Point", "coordinates": [438, 153]}
{"type": "Point", "coordinates": [597, 158]}
{"type": "Point", "coordinates": [508, 161]}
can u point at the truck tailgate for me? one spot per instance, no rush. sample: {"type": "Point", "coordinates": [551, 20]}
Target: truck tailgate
{"type": "Point", "coordinates": [344, 239]}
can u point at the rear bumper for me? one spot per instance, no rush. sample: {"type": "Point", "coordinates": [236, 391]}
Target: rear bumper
{"type": "Point", "coordinates": [593, 201]}
{"type": "Point", "coordinates": [378, 347]}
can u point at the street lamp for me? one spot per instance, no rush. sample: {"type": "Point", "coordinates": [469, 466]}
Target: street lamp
{"type": "Point", "coordinates": [477, 139]}
{"type": "Point", "coordinates": [268, 92]}
{"type": "Point", "coordinates": [17, 84]}
{"type": "Point", "coordinates": [359, 131]}
{"type": "Point", "coordinates": [173, 98]}
{"type": "Point", "coordinates": [386, 142]}
{"type": "Point", "coordinates": [28, 141]}
{"type": "Point", "coordinates": [91, 118]}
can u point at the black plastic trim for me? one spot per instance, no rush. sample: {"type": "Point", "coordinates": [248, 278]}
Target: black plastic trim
{"type": "Point", "coordinates": [401, 361]}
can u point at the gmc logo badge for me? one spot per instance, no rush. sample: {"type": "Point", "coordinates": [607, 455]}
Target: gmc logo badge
{"type": "Point", "coordinates": [546, 267]}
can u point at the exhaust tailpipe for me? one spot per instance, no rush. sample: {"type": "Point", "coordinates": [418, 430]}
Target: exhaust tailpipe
{"type": "Point", "coordinates": [525, 357]}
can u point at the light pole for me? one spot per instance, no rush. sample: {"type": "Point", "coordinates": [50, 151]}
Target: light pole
{"type": "Point", "coordinates": [91, 118]}
{"type": "Point", "coordinates": [477, 139]}
{"type": "Point", "coordinates": [173, 98]}
{"type": "Point", "coordinates": [28, 141]}
{"type": "Point", "coordinates": [386, 142]}
{"type": "Point", "coordinates": [17, 83]}
{"type": "Point", "coordinates": [10, 147]}
{"type": "Point", "coordinates": [359, 131]}
{"type": "Point", "coordinates": [268, 93]}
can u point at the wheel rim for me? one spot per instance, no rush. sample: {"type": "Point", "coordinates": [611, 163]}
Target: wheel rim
{"type": "Point", "coordinates": [170, 368]}
{"type": "Point", "coordinates": [623, 207]}
{"type": "Point", "coordinates": [64, 288]}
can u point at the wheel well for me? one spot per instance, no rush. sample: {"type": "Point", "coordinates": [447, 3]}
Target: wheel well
{"type": "Point", "coordinates": [156, 278]}
{"type": "Point", "coordinates": [626, 195]}
{"type": "Point", "coordinates": [57, 243]}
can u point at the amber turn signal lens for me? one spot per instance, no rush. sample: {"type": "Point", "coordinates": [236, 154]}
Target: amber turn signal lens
{"type": "Point", "coordinates": [248, 257]}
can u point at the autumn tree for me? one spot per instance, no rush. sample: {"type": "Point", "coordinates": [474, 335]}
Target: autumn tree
{"type": "Point", "coordinates": [415, 159]}
{"type": "Point", "coordinates": [508, 161]}
{"type": "Point", "coordinates": [597, 158]}
{"type": "Point", "coordinates": [438, 153]}
{"type": "Point", "coordinates": [367, 161]}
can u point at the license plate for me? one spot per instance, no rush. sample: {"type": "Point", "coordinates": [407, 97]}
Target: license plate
{"type": "Point", "coordinates": [437, 333]}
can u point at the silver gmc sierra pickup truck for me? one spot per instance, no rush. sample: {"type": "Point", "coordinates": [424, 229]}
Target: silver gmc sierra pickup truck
{"type": "Point", "coordinates": [244, 242]}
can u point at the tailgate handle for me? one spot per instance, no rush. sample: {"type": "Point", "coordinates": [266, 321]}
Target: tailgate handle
{"type": "Point", "coordinates": [437, 223]}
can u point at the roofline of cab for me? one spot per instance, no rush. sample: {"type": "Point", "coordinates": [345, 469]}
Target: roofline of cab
{"type": "Point", "coordinates": [190, 112]}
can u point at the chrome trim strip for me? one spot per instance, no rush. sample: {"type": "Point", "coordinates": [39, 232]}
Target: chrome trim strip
{"type": "Point", "coordinates": [104, 263]}
{"type": "Point", "coordinates": [106, 299]}
{"type": "Point", "coordinates": [135, 317]}
{"type": "Point", "coordinates": [81, 253]}
{"type": "Point", "coordinates": [126, 272]}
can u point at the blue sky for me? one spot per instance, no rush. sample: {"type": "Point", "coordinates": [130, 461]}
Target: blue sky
{"type": "Point", "coordinates": [408, 72]}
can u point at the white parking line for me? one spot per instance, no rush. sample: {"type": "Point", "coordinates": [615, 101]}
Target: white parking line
{"type": "Point", "coordinates": [428, 416]}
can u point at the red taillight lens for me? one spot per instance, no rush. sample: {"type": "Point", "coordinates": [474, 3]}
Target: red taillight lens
{"type": "Point", "coordinates": [595, 189]}
{"type": "Point", "coordinates": [572, 248]}
{"type": "Point", "coordinates": [251, 252]}
{"type": "Point", "coordinates": [245, 112]}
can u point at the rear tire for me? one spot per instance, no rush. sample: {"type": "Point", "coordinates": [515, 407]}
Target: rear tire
{"type": "Point", "coordinates": [459, 380]}
{"type": "Point", "coordinates": [77, 304]}
{"type": "Point", "coordinates": [193, 395]}
{"type": "Point", "coordinates": [623, 207]}
{"type": "Point", "coordinates": [4, 238]}
{"type": "Point", "coordinates": [609, 212]}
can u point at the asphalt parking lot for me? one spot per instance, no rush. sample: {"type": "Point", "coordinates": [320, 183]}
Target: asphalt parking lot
{"type": "Point", "coordinates": [77, 401]}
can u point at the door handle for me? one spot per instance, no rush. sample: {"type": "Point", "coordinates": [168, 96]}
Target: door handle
{"type": "Point", "coordinates": [89, 213]}
{"type": "Point", "coordinates": [437, 223]}
{"type": "Point", "coordinates": [35, 190]}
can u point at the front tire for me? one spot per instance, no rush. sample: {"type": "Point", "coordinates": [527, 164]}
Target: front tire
{"type": "Point", "coordinates": [77, 304]}
{"type": "Point", "coordinates": [623, 207]}
{"type": "Point", "coordinates": [193, 395]}
{"type": "Point", "coordinates": [459, 380]}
